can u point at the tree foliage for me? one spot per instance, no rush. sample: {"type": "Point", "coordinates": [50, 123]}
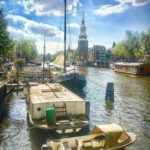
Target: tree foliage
{"type": "Point", "coordinates": [108, 54]}
{"type": "Point", "coordinates": [73, 55]}
{"type": "Point", "coordinates": [133, 46]}
{"type": "Point", "coordinates": [26, 49]}
{"type": "Point", "coordinates": [145, 42]}
{"type": "Point", "coordinates": [6, 44]}
{"type": "Point", "coordinates": [19, 62]}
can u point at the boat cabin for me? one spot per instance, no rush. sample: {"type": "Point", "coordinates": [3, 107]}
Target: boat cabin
{"type": "Point", "coordinates": [114, 134]}
{"type": "Point", "coordinates": [132, 68]}
{"type": "Point", "coordinates": [106, 137]}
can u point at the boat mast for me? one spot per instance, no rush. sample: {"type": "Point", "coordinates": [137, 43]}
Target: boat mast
{"type": "Point", "coordinates": [44, 55]}
{"type": "Point", "coordinates": [65, 3]}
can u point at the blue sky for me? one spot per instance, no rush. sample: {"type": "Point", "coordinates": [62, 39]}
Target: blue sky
{"type": "Point", "coordinates": [106, 20]}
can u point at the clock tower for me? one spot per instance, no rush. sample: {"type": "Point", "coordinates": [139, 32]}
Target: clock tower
{"type": "Point", "coordinates": [83, 43]}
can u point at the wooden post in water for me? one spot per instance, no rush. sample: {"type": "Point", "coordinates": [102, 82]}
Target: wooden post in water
{"type": "Point", "coordinates": [110, 92]}
{"type": "Point", "coordinates": [87, 108]}
{"type": "Point", "coordinates": [17, 77]}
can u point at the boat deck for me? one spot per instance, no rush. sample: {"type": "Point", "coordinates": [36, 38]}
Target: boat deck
{"type": "Point", "coordinates": [51, 93]}
{"type": "Point", "coordinates": [45, 96]}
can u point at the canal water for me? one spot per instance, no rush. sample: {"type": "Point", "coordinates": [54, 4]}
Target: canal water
{"type": "Point", "coordinates": [131, 109]}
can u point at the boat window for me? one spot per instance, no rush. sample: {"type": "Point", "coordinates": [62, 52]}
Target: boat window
{"type": "Point", "coordinates": [142, 70]}
{"type": "Point", "coordinates": [39, 109]}
{"type": "Point", "coordinates": [99, 138]}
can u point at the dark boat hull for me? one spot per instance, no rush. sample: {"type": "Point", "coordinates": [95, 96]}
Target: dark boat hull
{"type": "Point", "coordinates": [75, 82]}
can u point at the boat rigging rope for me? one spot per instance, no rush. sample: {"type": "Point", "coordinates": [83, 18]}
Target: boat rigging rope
{"type": "Point", "coordinates": [70, 38]}
{"type": "Point", "coordinates": [58, 37]}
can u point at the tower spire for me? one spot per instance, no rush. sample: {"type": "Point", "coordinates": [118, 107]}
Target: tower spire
{"type": "Point", "coordinates": [83, 20]}
{"type": "Point", "coordinates": [83, 42]}
{"type": "Point", "coordinates": [83, 28]}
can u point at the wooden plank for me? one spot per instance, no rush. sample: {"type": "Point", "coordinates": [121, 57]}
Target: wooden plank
{"type": "Point", "coordinates": [15, 84]}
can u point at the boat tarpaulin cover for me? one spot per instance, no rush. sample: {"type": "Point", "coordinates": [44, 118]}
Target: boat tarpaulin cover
{"type": "Point", "coordinates": [59, 60]}
{"type": "Point", "coordinates": [112, 133]}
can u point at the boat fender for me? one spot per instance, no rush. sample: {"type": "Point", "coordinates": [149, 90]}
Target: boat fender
{"type": "Point", "coordinates": [45, 147]}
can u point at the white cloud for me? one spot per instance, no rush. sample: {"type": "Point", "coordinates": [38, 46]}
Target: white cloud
{"type": "Point", "coordinates": [50, 7]}
{"type": "Point", "coordinates": [52, 46]}
{"type": "Point", "coordinates": [124, 1]}
{"type": "Point", "coordinates": [73, 25]}
{"type": "Point", "coordinates": [2, 2]}
{"type": "Point", "coordinates": [18, 33]}
{"type": "Point", "coordinates": [134, 2]}
{"type": "Point", "coordinates": [119, 8]}
{"type": "Point", "coordinates": [140, 2]}
{"type": "Point", "coordinates": [16, 18]}
{"type": "Point", "coordinates": [35, 31]}
{"type": "Point", "coordinates": [110, 9]}
{"type": "Point", "coordinates": [36, 28]}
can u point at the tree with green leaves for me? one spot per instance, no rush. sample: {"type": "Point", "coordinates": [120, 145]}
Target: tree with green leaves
{"type": "Point", "coordinates": [26, 49]}
{"type": "Point", "coordinates": [130, 47]}
{"type": "Point", "coordinates": [145, 42]}
{"type": "Point", "coordinates": [6, 44]}
{"type": "Point", "coordinates": [133, 40]}
{"type": "Point", "coordinates": [114, 44]}
{"type": "Point", "coordinates": [108, 54]}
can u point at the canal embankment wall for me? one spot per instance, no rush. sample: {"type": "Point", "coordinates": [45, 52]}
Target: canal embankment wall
{"type": "Point", "coordinates": [3, 94]}
{"type": "Point", "coordinates": [4, 91]}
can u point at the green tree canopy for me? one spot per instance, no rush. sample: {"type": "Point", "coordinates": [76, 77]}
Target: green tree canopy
{"type": "Point", "coordinates": [145, 41]}
{"type": "Point", "coordinates": [6, 44]}
{"type": "Point", "coordinates": [130, 47]}
{"type": "Point", "coordinates": [26, 49]}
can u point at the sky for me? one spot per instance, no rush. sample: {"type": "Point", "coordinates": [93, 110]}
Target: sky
{"type": "Point", "coordinates": [106, 20]}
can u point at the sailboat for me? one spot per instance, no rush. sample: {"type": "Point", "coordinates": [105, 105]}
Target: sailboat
{"type": "Point", "coordinates": [68, 76]}
{"type": "Point", "coordinates": [51, 106]}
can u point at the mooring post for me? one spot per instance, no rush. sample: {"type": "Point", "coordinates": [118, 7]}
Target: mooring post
{"type": "Point", "coordinates": [87, 108]}
{"type": "Point", "coordinates": [17, 77]}
{"type": "Point", "coordinates": [110, 91]}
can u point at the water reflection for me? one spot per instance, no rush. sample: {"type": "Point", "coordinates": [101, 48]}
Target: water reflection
{"type": "Point", "coordinates": [82, 69]}
{"type": "Point", "coordinates": [109, 105]}
{"type": "Point", "coordinates": [130, 109]}
{"type": "Point", "coordinates": [131, 105]}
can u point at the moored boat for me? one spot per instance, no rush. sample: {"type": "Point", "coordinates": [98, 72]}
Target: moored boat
{"type": "Point", "coordinates": [70, 78]}
{"type": "Point", "coordinates": [74, 81]}
{"type": "Point", "coordinates": [53, 107]}
{"type": "Point", "coordinates": [132, 68]}
{"type": "Point", "coordinates": [103, 137]}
